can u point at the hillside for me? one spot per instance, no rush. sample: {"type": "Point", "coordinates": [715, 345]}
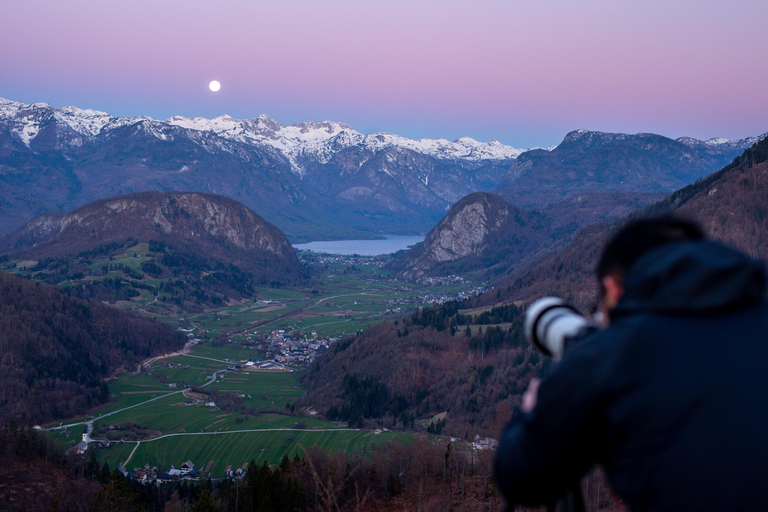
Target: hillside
{"type": "Point", "coordinates": [443, 370]}
{"type": "Point", "coordinates": [484, 234]}
{"type": "Point", "coordinates": [729, 204]}
{"type": "Point", "coordinates": [186, 248]}
{"type": "Point", "coordinates": [57, 349]}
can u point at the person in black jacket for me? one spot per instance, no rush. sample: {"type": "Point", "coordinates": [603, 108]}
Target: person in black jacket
{"type": "Point", "coordinates": [671, 398]}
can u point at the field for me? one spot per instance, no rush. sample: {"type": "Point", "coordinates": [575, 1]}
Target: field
{"type": "Point", "coordinates": [162, 424]}
{"type": "Point", "coordinates": [262, 389]}
{"type": "Point", "coordinates": [203, 434]}
{"type": "Point", "coordinates": [348, 294]}
{"type": "Point", "coordinates": [237, 449]}
{"type": "Point", "coordinates": [210, 437]}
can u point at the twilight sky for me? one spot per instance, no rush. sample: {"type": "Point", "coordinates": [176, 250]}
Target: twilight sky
{"type": "Point", "coordinates": [524, 72]}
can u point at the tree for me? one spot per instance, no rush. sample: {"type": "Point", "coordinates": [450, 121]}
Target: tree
{"type": "Point", "coordinates": [204, 502]}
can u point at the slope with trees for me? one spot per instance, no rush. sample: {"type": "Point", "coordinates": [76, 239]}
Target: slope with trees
{"type": "Point", "coordinates": [56, 350]}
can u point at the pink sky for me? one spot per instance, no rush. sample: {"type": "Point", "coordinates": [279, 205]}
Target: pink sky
{"type": "Point", "coordinates": [523, 72]}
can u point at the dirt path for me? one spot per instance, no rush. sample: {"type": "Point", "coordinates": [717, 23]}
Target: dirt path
{"type": "Point", "coordinates": [183, 352]}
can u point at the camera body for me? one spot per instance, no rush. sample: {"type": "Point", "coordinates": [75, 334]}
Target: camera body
{"type": "Point", "coordinates": [550, 323]}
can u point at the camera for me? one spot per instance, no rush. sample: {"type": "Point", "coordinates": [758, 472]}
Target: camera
{"type": "Point", "coordinates": [550, 323]}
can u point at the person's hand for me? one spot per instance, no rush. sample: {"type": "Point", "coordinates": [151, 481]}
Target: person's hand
{"type": "Point", "coordinates": [531, 395]}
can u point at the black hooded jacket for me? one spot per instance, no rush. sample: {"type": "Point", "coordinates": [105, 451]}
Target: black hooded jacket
{"type": "Point", "coordinates": [672, 398]}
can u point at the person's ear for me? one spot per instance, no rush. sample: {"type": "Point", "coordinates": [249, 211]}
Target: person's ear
{"type": "Point", "coordinates": [613, 290]}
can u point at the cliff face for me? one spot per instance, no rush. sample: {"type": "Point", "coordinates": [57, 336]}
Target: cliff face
{"type": "Point", "coordinates": [481, 232]}
{"type": "Point", "coordinates": [465, 230]}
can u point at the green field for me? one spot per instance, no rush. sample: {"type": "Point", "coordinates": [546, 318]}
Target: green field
{"type": "Point", "coordinates": [350, 298]}
{"type": "Point", "coordinates": [267, 389]}
{"type": "Point", "coordinates": [344, 299]}
{"type": "Point", "coordinates": [210, 434]}
{"type": "Point", "coordinates": [237, 449]}
{"type": "Point", "coordinates": [133, 389]}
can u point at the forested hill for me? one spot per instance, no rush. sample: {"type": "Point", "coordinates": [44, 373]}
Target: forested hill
{"type": "Point", "coordinates": [55, 350]}
{"type": "Point", "coordinates": [188, 249]}
{"type": "Point", "coordinates": [442, 370]}
{"type": "Point", "coordinates": [731, 205]}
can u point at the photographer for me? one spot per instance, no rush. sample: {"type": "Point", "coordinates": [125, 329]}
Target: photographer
{"type": "Point", "coordinates": [671, 398]}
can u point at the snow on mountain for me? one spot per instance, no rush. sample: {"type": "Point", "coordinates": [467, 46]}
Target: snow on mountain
{"type": "Point", "coordinates": [91, 122]}
{"type": "Point", "coordinates": [299, 142]}
{"type": "Point", "coordinates": [716, 142]}
{"type": "Point", "coordinates": [26, 120]}
{"type": "Point", "coordinates": [303, 140]}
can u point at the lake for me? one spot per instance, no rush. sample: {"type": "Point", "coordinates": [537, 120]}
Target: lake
{"type": "Point", "coordinates": [392, 243]}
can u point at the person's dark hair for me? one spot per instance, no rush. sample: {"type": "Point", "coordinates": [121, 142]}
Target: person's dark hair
{"type": "Point", "coordinates": [640, 236]}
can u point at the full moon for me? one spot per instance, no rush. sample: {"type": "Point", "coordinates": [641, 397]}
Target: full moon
{"type": "Point", "coordinates": [214, 86]}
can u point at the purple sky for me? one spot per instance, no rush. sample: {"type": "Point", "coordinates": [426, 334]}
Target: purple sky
{"type": "Point", "coordinates": [524, 72]}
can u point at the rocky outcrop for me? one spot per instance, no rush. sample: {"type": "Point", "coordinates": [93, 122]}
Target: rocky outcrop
{"type": "Point", "coordinates": [481, 232]}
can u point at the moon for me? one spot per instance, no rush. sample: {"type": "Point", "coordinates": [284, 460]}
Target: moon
{"type": "Point", "coordinates": [214, 86]}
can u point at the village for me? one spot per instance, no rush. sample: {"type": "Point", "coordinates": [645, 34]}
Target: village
{"type": "Point", "coordinates": [294, 349]}
{"type": "Point", "coordinates": [186, 471]}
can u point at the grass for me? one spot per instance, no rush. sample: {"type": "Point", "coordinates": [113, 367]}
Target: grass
{"type": "Point", "coordinates": [266, 389]}
{"type": "Point", "coordinates": [237, 449]}
{"type": "Point", "coordinates": [343, 304]}
{"type": "Point", "coordinates": [226, 351]}
{"type": "Point", "coordinates": [172, 415]}
{"type": "Point", "coordinates": [132, 389]}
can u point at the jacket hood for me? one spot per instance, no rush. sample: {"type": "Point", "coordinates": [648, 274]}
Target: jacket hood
{"type": "Point", "coordinates": [692, 277]}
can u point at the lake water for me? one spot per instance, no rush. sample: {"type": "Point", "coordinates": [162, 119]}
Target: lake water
{"type": "Point", "coordinates": [392, 243]}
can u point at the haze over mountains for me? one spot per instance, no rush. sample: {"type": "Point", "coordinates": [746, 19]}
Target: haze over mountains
{"type": "Point", "coordinates": [321, 180]}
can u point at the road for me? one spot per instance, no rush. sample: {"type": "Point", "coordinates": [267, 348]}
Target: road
{"type": "Point", "coordinates": [89, 423]}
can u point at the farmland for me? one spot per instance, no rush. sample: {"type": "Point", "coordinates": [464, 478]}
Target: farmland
{"type": "Point", "coordinates": [189, 430]}
{"type": "Point", "coordinates": [208, 406]}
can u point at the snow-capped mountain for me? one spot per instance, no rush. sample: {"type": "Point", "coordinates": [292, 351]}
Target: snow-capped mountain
{"type": "Point", "coordinates": [317, 180]}
{"type": "Point", "coordinates": [311, 179]}
{"type": "Point", "coordinates": [298, 142]}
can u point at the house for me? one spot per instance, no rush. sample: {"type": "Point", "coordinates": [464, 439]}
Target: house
{"type": "Point", "coordinates": [187, 467]}
{"type": "Point", "coordinates": [141, 476]}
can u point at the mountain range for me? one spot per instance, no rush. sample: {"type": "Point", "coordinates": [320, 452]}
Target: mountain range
{"type": "Point", "coordinates": [318, 180]}
{"type": "Point", "coordinates": [729, 204]}
{"type": "Point", "coordinates": [466, 365]}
